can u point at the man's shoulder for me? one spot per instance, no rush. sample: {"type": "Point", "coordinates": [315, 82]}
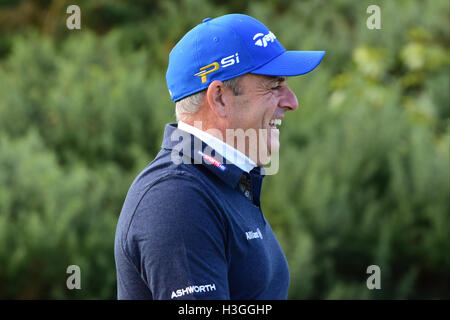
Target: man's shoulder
{"type": "Point", "coordinates": [167, 187]}
{"type": "Point", "coordinates": [162, 170]}
{"type": "Point", "coordinates": [173, 196]}
{"type": "Point", "coordinates": [162, 180]}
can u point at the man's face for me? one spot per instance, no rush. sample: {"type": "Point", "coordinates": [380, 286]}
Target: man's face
{"type": "Point", "coordinates": [262, 100]}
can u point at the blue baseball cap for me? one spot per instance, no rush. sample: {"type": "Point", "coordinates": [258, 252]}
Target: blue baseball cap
{"type": "Point", "coordinates": [227, 47]}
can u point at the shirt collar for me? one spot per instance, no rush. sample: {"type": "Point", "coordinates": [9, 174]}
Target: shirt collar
{"type": "Point", "coordinates": [188, 149]}
{"type": "Point", "coordinates": [231, 154]}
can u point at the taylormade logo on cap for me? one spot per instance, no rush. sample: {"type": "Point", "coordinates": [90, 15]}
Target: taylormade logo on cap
{"type": "Point", "coordinates": [227, 47]}
{"type": "Point", "coordinates": [264, 40]}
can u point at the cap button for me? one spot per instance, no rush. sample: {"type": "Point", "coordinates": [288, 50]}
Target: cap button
{"type": "Point", "coordinates": [206, 20]}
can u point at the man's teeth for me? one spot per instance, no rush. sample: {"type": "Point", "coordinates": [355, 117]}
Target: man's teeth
{"type": "Point", "coordinates": [275, 122]}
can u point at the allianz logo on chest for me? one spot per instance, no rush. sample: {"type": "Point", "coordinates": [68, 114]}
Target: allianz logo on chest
{"type": "Point", "coordinates": [254, 234]}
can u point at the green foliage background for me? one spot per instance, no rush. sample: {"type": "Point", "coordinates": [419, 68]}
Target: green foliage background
{"type": "Point", "coordinates": [364, 165]}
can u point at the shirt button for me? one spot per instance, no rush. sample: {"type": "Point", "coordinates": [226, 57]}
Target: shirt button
{"type": "Point", "coordinates": [247, 194]}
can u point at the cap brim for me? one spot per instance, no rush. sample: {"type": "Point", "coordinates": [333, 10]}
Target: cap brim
{"type": "Point", "coordinates": [291, 63]}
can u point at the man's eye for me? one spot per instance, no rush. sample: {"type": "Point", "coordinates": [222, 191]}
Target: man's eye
{"type": "Point", "coordinates": [276, 88]}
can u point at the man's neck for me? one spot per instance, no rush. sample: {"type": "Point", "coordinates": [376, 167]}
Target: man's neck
{"type": "Point", "coordinates": [215, 139]}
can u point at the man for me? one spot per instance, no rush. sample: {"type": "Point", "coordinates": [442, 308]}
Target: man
{"type": "Point", "coordinates": [191, 226]}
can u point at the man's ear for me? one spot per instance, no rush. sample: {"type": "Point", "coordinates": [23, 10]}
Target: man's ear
{"type": "Point", "coordinates": [218, 98]}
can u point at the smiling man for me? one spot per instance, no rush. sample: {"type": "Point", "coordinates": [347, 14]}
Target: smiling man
{"type": "Point", "coordinates": [192, 226]}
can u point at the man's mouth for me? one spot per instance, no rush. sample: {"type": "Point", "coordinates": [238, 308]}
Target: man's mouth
{"type": "Point", "coordinates": [274, 123]}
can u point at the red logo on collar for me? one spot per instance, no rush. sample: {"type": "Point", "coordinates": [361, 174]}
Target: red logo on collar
{"type": "Point", "coordinates": [213, 161]}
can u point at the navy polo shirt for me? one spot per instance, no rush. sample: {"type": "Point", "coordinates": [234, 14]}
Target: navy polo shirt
{"type": "Point", "coordinates": [191, 227]}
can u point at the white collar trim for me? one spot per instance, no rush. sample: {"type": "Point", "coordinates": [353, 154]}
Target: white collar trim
{"type": "Point", "coordinates": [228, 152]}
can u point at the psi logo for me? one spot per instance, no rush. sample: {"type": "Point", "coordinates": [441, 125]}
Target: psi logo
{"type": "Point", "coordinates": [225, 62]}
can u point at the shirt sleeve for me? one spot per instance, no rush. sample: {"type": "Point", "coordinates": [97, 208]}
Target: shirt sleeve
{"type": "Point", "coordinates": [177, 239]}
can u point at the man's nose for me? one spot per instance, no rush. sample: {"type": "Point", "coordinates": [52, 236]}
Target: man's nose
{"type": "Point", "coordinates": [288, 100]}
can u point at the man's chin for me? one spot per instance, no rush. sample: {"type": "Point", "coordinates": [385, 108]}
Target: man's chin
{"type": "Point", "coordinates": [271, 147]}
{"type": "Point", "coordinates": [274, 142]}
{"type": "Point", "coordinates": [265, 157]}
